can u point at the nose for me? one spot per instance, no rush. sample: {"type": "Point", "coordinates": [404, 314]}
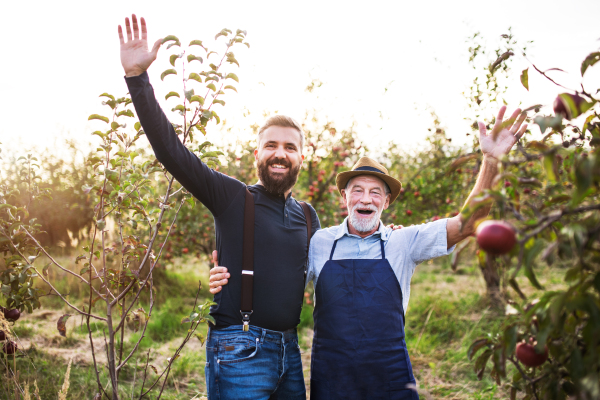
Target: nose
{"type": "Point", "coordinates": [279, 152]}
{"type": "Point", "coordinates": [366, 198]}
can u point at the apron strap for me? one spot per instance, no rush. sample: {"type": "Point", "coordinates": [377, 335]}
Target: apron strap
{"type": "Point", "coordinates": [246, 306]}
{"type": "Point", "coordinates": [382, 249]}
{"type": "Point", "coordinates": [332, 250]}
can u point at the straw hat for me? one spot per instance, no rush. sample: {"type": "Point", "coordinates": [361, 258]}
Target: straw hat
{"type": "Point", "coordinates": [368, 166]}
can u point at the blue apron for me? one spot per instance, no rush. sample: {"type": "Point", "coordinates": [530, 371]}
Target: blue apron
{"type": "Point", "coordinates": [358, 349]}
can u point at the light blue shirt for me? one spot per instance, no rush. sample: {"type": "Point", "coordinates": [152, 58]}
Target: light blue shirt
{"type": "Point", "coordinates": [404, 249]}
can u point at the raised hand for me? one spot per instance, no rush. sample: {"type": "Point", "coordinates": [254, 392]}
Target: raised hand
{"type": "Point", "coordinates": [135, 56]}
{"type": "Point", "coordinates": [503, 136]}
{"type": "Point", "coordinates": [218, 275]}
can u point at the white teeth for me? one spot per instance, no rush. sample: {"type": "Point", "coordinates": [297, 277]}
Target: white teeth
{"type": "Point", "coordinates": [277, 166]}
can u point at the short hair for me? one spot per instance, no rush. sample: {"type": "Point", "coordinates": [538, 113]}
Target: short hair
{"type": "Point", "coordinates": [285, 122]}
{"type": "Point", "coordinates": [385, 185]}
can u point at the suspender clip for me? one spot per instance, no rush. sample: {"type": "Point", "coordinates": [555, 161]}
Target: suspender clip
{"type": "Point", "coordinates": [246, 320]}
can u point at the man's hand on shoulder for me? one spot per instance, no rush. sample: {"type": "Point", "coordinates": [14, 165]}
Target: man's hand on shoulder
{"type": "Point", "coordinates": [218, 275]}
{"type": "Point", "coordinates": [135, 56]}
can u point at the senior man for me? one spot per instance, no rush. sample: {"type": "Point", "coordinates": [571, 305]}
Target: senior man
{"type": "Point", "coordinates": [362, 270]}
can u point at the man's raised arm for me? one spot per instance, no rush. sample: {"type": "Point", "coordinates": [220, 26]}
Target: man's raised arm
{"type": "Point", "coordinates": [213, 189]}
{"type": "Point", "coordinates": [494, 145]}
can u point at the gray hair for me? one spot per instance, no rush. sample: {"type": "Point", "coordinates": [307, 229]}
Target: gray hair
{"type": "Point", "coordinates": [385, 185]}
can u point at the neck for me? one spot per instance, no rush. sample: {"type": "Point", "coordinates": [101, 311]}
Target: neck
{"type": "Point", "coordinates": [286, 194]}
{"type": "Point", "coordinates": [353, 231]}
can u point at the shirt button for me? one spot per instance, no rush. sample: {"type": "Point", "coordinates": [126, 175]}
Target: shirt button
{"type": "Point", "coordinates": [286, 214]}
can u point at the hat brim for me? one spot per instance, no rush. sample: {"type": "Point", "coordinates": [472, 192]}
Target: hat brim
{"type": "Point", "coordinates": [342, 179]}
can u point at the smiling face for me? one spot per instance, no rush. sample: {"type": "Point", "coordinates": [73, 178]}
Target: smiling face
{"type": "Point", "coordinates": [278, 158]}
{"type": "Point", "coordinates": [366, 198]}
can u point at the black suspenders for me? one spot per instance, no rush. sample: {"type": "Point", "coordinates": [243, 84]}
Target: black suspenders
{"type": "Point", "coordinates": [246, 307]}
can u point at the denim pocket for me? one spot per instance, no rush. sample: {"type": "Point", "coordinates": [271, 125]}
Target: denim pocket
{"type": "Point", "coordinates": [236, 350]}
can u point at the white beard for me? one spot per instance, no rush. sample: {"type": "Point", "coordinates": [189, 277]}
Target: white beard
{"type": "Point", "coordinates": [364, 225]}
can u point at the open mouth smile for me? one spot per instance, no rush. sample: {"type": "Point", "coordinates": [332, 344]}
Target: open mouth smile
{"type": "Point", "coordinates": [278, 167]}
{"type": "Point", "coordinates": [365, 212]}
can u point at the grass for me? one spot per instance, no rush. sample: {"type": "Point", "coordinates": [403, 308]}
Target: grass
{"type": "Point", "coordinates": [447, 311]}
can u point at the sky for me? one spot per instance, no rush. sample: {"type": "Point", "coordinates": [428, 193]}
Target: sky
{"type": "Point", "coordinates": [384, 64]}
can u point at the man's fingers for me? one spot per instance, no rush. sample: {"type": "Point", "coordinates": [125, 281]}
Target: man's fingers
{"type": "Point", "coordinates": [519, 122]}
{"type": "Point", "coordinates": [155, 48]}
{"type": "Point", "coordinates": [121, 39]}
{"type": "Point", "coordinates": [128, 29]}
{"type": "Point", "coordinates": [509, 123]}
{"type": "Point", "coordinates": [521, 132]}
{"type": "Point", "coordinates": [136, 29]}
{"type": "Point", "coordinates": [482, 129]}
{"type": "Point", "coordinates": [218, 283]}
{"type": "Point", "coordinates": [215, 257]}
{"type": "Point", "coordinates": [499, 118]}
{"type": "Point", "coordinates": [215, 279]}
{"type": "Point", "coordinates": [215, 290]}
{"type": "Point", "coordinates": [217, 270]}
{"type": "Point", "coordinates": [144, 31]}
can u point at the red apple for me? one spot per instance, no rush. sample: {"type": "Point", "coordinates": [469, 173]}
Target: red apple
{"type": "Point", "coordinates": [496, 237]}
{"type": "Point", "coordinates": [569, 105]}
{"type": "Point", "coordinates": [448, 201]}
{"type": "Point", "coordinates": [435, 218]}
{"type": "Point", "coordinates": [2, 336]}
{"type": "Point", "coordinates": [12, 315]}
{"type": "Point", "coordinates": [185, 250]}
{"type": "Point", "coordinates": [10, 347]}
{"type": "Point", "coordinates": [527, 355]}
{"type": "Point", "coordinates": [408, 212]}
{"type": "Point", "coordinates": [417, 194]}
{"type": "Point", "coordinates": [526, 190]}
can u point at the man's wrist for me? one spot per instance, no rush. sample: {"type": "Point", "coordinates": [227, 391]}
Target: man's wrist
{"type": "Point", "coordinates": [490, 158]}
{"type": "Point", "coordinates": [131, 74]}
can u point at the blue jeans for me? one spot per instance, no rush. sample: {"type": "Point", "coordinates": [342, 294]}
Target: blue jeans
{"type": "Point", "coordinates": [253, 365]}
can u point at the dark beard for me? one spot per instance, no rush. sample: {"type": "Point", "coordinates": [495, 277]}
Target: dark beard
{"type": "Point", "coordinates": [277, 183]}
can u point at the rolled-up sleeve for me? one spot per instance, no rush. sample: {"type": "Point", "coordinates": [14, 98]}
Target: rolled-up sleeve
{"type": "Point", "coordinates": [429, 241]}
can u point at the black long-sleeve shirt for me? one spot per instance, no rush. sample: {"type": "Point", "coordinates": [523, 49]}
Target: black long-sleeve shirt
{"type": "Point", "coordinates": [280, 242]}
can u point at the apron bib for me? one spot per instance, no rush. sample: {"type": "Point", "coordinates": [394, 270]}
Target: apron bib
{"type": "Point", "coordinates": [359, 351]}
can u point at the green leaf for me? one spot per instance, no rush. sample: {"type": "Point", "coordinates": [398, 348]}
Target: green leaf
{"type": "Point", "coordinates": [171, 94]}
{"type": "Point", "coordinates": [233, 76]}
{"type": "Point", "coordinates": [532, 249]}
{"type": "Point", "coordinates": [589, 61]}
{"type": "Point", "coordinates": [525, 78]}
{"type": "Point", "coordinates": [221, 102]}
{"type": "Point", "coordinates": [547, 122]}
{"type": "Point", "coordinates": [110, 96]}
{"type": "Point", "coordinates": [476, 346]}
{"type": "Point", "coordinates": [189, 94]}
{"type": "Point", "coordinates": [482, 362]}
{"type": "Point", "coordinates": [230, 87]}
{"type": "Point", "coordinates": [137, 126]}
{"type": "Point", "coordinates": [167, 72]}
{"type": "Point", "coordinates": [170, 38]}
{"type": "Point", "coordinates": [114, 125]}
{"type": "Point", "coordinates": [231, 59]}
{"type": "Point", "coordinates": [127, 113]}
{"type": "Point", "coordinates": [549, 166]}
{"type": "Point", "coordinates": [197, 43]}
{"type": "Point", "coordinates": [510, 340]}
{"type": "Point", "coordinates": [192, 57]}
{"type": "Point", "coordinates": [100, 117]}
{"type": "Point", "coordinates": [212, 87]}
{"type": "Point", "coordinates": [174, 58]}
{"type": "Point", "coordinates": [195, 77]}
{"type": "Point", "coordinates": [224, 32]}
{"type": "Point", "coordinates": [197, 98]}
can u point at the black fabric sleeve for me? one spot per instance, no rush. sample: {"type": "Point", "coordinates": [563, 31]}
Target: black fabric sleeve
{"type": "Point", "coordinates": [215, 190]}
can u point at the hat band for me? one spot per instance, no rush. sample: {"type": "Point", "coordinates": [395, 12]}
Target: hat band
{"type": "Point", "coordinates": [369, 169]}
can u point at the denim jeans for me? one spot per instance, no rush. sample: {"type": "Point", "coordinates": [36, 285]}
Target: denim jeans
{"type": "Point", "coordinates": [254, 365]}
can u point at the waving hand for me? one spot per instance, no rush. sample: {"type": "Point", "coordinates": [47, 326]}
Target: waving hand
{"type": "Point", "coordinates": [135, 56]}
{"type": "Point", "coordinates": [504, 134]}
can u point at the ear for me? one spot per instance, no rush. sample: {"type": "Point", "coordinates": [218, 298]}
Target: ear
{"type": "Point", "coordinates": [343, 191]}
{"type": "Point", "coordinates": [387, 201]}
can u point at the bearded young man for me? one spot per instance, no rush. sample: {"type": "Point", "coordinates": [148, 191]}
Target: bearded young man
{"type": "Point", "coordinates": [361, 271]}
{"type": "Point", "coordinates": [264, 335]}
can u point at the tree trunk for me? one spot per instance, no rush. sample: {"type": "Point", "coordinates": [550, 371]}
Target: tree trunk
{"type": "Point", "coordinates": [492, 282]}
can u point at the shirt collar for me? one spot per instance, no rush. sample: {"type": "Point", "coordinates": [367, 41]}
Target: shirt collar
{"type": "Point", "coordinates": [382, 231]}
